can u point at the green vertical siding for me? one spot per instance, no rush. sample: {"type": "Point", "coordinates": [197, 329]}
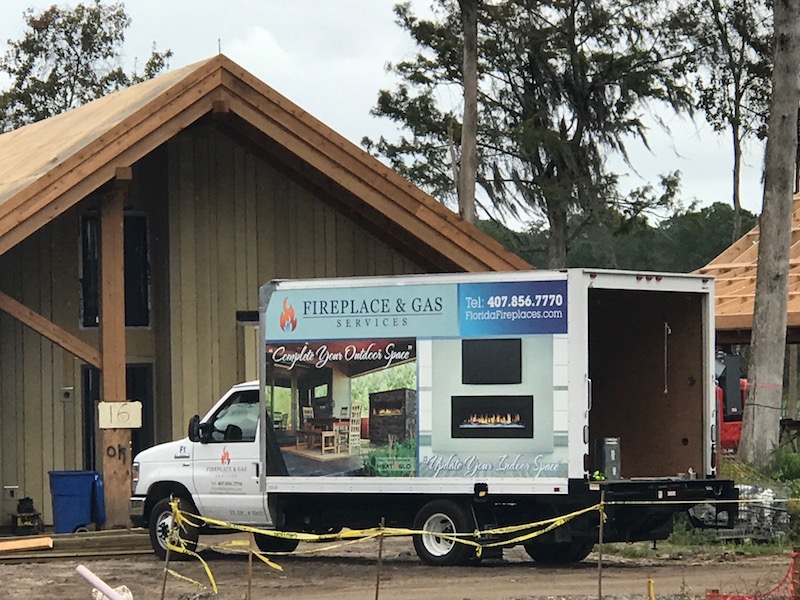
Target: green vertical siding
{"type": "Point", "coordinates": [236, 222]}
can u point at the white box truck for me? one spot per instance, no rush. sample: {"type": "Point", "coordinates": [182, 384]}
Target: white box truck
{"type": "Point", "coordinates": [461, 402]}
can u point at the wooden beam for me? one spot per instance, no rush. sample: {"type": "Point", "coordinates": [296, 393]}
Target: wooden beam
{"type": "Point", "coordinates": [112, 305]}
{"type": "Point", "coordinates": [50, 330]}
{"type": "Point", "coordinates": [116, 442]}
{"type": "Point", "coordinates": [220, 107]}
{"type": "Point", "coordinates": [751, 264]}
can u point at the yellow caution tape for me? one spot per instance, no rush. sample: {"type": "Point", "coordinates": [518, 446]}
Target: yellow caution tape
{"type": "Point", "coordinates": [182, 520]}
{"type": "Point", "coordinates": [179, 521]}
{"type": "Point", "coordinates": [266, 560]}
{"type": "Point", "coordinates": [182, 549]}
{"type": "Point", "coordinates": [177, 575]}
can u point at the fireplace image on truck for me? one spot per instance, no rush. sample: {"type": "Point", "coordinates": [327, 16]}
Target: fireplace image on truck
{"type": "Point", "coordinates": [495, 417]}
{"type": "Point", "coordinates": [392, 416]}
{"type": "Point", "coordinates": [344, 408]}
{"type": "Point", "coordinates": [481, 396]}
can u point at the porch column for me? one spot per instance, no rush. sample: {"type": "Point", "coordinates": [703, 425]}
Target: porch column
{"type": "Point", "coordinates": [116, 442]}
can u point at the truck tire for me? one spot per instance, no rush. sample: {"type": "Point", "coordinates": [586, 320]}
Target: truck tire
{"type": "Point", "coordinates": [160, 524]}
{"type": "Point", "coordinates": [442, 516]}
{"type": "Point", "coordinates": [269, 543]}
{"type": "Point", "coordinates": [558, 553]}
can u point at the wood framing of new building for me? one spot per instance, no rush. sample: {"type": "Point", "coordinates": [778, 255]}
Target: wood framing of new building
{"type": "Point", "coordinates": [735, 282]}
{"type": "Point", "coordinates": [134, 229]}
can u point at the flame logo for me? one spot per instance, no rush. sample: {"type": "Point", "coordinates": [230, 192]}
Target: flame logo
{"type": "Point", "coordinates": [288, 318]}
{"type": "Point", "coordinates": [226, 456]}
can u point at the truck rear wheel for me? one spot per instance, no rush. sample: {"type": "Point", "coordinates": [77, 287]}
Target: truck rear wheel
{"type": "Point", "coordinates": [442, 517]}
{"type": "Point", "coordinates": [269, 543]}
{"type": "Point", "coordinates": [558, 553]}
{"type": "Point", "coordinates": [160, 525]}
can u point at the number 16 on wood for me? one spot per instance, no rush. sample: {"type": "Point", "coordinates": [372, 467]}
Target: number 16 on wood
{"type": "Point", "coordinates": [120, 415]}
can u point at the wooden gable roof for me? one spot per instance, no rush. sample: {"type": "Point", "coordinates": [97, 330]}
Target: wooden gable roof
{"type": "Point", "coordinates": [47, 167]}
{"type": "Point", "coordinates": [735, 274]}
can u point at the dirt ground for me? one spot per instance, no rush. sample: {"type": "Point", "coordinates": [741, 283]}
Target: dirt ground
{"type": "Point", "coordinates": [350, 573]}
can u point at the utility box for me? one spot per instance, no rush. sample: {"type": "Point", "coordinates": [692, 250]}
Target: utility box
{"type": "Point", "coordinates": [607, 457]}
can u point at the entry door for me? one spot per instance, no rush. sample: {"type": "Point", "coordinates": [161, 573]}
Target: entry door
{"type": "Point", "coordinates": [139, 386]}
{"type": "Point", "coordinates": [90, 390]}
{"type": "Point", "coordinates": [227, 462]}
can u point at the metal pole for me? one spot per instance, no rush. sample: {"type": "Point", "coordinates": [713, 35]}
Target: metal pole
{"type": "Point", "coordinates": [250, 544]}
{"type": "Point", "coordinates": [380, 560]}
{"type": "Point", "coordinates": [600, 543]}
{"type": "Point", "coordinates": [166, 558]}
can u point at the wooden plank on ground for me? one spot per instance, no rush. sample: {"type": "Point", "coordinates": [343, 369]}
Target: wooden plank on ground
{"type": "Point", "coordinates": [37, 543]}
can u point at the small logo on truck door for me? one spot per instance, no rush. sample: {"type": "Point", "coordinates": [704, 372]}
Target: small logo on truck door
{"type": "Point", "coordinates": [226, 457]}
{"type": "Point", "coordinates": [288, 320]}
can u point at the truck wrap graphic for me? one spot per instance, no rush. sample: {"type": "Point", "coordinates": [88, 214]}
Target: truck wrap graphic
{"type": "Point", "coordinates": [457, 380]}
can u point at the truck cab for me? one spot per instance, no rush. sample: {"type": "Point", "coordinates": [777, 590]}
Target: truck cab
{"type": "Point", "coordinates": [213, 471]}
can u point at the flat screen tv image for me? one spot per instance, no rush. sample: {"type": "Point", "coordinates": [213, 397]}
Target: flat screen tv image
{"type": "Point", "coordinates": [491, 361]}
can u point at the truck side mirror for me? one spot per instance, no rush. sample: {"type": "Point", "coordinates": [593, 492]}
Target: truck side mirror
{"type": "Point", "coordinates": [194, 429]}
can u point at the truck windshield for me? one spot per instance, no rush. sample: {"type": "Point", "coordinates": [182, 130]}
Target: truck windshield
{"type": "Point", "coordinates": [236, 420]}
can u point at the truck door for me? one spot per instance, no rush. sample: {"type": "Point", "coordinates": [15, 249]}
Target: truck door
{"type": "Point", "coordinates": [226, 462]}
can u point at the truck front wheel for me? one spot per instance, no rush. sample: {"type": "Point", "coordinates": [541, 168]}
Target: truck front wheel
{"type": "Point", "coordinates": [438, 518]}
{"type": "Point", "coordinates": [558, 553]}
{"type": "Point", "coordinates": [160, 526]}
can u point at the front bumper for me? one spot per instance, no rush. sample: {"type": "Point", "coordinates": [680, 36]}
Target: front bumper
{"type": "Point", "coordinates": [136, 511]}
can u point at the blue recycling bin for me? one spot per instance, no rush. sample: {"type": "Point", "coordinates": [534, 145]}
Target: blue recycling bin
{"type": "Point", "coordinates": [77, 500]}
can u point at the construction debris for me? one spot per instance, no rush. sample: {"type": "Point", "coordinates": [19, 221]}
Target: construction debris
{"type": "Point", "coordinates": [122, 591]}
{"type": "Point", "coordinates": [103, 591]}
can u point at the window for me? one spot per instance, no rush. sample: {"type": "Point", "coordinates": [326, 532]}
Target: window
{"type": "Point", "coordinates": [491, 361]}
{"type": "Point", "coordinates": [236, 421]}
{"type": "Point", "coordinates": [137, 271]}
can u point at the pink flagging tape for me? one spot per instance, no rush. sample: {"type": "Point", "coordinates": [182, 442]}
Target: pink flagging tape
{"type": "Point", "coordinates": [788, 578]}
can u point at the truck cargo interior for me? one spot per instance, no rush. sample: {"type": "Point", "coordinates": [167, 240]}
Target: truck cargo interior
{"type": "Point", "coordinates": [645, 366]}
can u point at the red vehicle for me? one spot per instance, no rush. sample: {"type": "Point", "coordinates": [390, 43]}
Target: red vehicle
{"type": "Point", "coordinates": [731, 394]}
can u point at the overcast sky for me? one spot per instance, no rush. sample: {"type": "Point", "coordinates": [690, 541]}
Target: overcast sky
{"type": "Point", "coordinates": [329, 56]}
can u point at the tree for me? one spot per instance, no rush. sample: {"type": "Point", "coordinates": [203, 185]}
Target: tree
{"type": "Point", "coordinates": [65, 58]}
{"type": "Point", "coordinates": [763, 407]}
{"type": "Point", "coordinates": [687, 240]}
{"type": "Point", "coordinates": [561, 85]}
{"type": "Point", "coordinates": [468, 166]}
{"type": "Point", "coordinates": [732, 42]}
{"type": "Point", "coordinates": [691, 239]}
